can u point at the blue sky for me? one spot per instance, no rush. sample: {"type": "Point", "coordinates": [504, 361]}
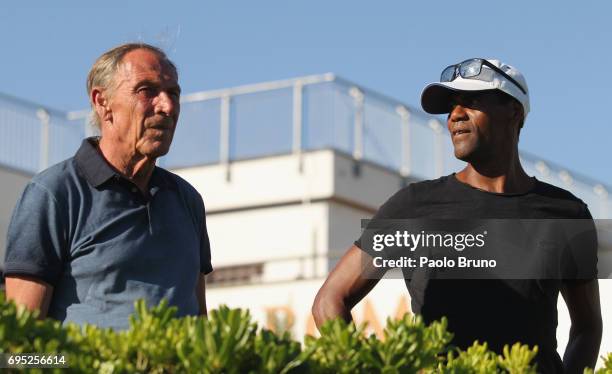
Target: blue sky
{"type": "Point", "coordinates": [394, 47]}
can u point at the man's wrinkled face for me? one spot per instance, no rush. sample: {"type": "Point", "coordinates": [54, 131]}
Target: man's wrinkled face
{"type": "Point", "coordinates": [480, 125]}
{"type": "Point", "coordinates": [144, 104]}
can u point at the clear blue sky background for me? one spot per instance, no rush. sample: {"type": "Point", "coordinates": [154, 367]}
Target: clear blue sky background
{"type": "Point", "coordinates": [395, 47]}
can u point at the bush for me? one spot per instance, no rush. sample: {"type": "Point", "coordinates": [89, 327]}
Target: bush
{"type": "Point", "coordinates": [228, 341]}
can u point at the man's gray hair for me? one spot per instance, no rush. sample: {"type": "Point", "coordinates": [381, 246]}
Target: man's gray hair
{"type": "Point", "coordinates": [103, 70]}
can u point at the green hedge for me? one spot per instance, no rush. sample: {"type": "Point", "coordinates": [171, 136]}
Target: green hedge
{"type": "Point", "coordinates": [230, 342]}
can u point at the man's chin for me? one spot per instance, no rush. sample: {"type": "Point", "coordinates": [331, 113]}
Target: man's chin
{"type": "Point", "coordinates": [463, 155]}
{"type": "Point", "coordinates": [473, 156]}
{"type": "Point", "coordinates": [467, 151]}
{"type": "Point", "coordinates": [155, 149]}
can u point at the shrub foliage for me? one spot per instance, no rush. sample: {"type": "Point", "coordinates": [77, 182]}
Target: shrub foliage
{"type": "Point", "coordinates": [228, 341]}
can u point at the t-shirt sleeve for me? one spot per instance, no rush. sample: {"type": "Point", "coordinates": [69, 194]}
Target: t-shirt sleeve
{"type": "Point", "coordinates": [205, 262]}
{"type": "Point", "coordinates": [37, 236]}
{"type": "Point", "coordinates": [582, 249]}
{"type": "Point", "coordinates": [389, 210]}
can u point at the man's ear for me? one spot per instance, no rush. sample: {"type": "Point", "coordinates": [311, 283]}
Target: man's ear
{"type": "Point", "coordinates": [101, 104]}
{"type": "Point", "coordinates": [518, 116]}
{"type": "Point", "coordinates": [518, 113]}
{"type": "Point", "coordinates": [515, 112]}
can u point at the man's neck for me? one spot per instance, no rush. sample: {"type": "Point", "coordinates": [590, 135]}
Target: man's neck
{"type": "Point", "coordinates": [505, 177]}
{"type": "Point", "coordinates": [131, 165]}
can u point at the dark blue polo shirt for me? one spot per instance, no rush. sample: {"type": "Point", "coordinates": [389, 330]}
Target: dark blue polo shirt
{"type": "Point", "coordinates": [103, 244]}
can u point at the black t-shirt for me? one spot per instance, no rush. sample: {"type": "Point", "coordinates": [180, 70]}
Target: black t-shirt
{"type": "Point", "coordinates": [496, 311]}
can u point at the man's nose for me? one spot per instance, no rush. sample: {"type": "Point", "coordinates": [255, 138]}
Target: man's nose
{"type": "Point", "coordinates": [166, 104]}
{"type": "Point", "coordinates": [457, 113]}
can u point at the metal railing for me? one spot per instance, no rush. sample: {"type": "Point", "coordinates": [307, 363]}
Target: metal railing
{"type": "Point", "coordinates": [288, 116]}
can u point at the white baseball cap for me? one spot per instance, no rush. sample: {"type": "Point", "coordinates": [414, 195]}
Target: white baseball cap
{"type": "Point", "coordinates": [436, 97]}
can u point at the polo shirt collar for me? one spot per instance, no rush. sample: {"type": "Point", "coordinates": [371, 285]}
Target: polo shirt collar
{"type": "Point", "coordinates": [90, 161]}
{"type": "Point", "coordinates": [162, 179]}
{"type": "Point", "coordinates": [97, 171]}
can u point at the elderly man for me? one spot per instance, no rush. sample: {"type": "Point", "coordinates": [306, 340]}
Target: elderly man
{"type": "Point", "coordinates": [487, 102]}
{"type": "Point", "coordinates": [98, 231]}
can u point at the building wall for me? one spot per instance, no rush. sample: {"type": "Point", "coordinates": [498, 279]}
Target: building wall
{"type": "Point", "coordinates": [263, 182]}
{"type": "Point", "coordinates": [268, 233]}
{"type": "Point", "coordinates": [287, 305]}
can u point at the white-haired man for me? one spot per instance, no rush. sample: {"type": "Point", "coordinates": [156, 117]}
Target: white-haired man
{"type": "Point", "coordinates": [96, 232]}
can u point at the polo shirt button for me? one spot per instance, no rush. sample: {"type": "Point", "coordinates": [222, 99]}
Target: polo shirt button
{"type": "Point", "coordinates": [134, 189]}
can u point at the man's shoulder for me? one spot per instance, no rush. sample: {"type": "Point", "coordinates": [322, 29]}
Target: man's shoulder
{"type": "Point", "coordinates": [419, 193]}
{"type": "Point", "coordinates": [190, 197]}
{"type": "Point", "coordinates": [555, 192]}
{"type": "Point", "coordinates": [57, 179]}
{"type": "Point", "coordinates": [560, 198]}
{"type": "Point", "coordinates": [431, 185]}
{"type": "Point", "coordinates": [425, 190]}
{"type": "Point", "coordinates": [182, 185]}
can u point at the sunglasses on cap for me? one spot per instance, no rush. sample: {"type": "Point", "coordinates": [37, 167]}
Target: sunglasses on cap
{"type": "Point", "coordinates": [472, 69]}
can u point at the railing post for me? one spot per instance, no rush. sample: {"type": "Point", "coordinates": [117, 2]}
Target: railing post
{"type": "Point", "coordinates": [404, 114]}
{"type": "Point", "coordinates": [566, 177]}
{"type": "Point", "coordinates": [44, 118]}
{"type": "Point", "coordinates": [358, 99]}
{"type": "Point", "coordinates": [542, 168]}
{"type": "Point", "coordinates": [224, 141]}
{"type": "Point", "coordinates": [436, 126]}
{"type": "Point", "coordinates": [602, 193]}
{"type": "Point", "coordinates": [298, 103]}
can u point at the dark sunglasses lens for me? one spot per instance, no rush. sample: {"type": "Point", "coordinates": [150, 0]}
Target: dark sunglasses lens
{"type": "Point", "coordinates": [448, 74]}
{"type": "Point", "coordinates": [470, 68]}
